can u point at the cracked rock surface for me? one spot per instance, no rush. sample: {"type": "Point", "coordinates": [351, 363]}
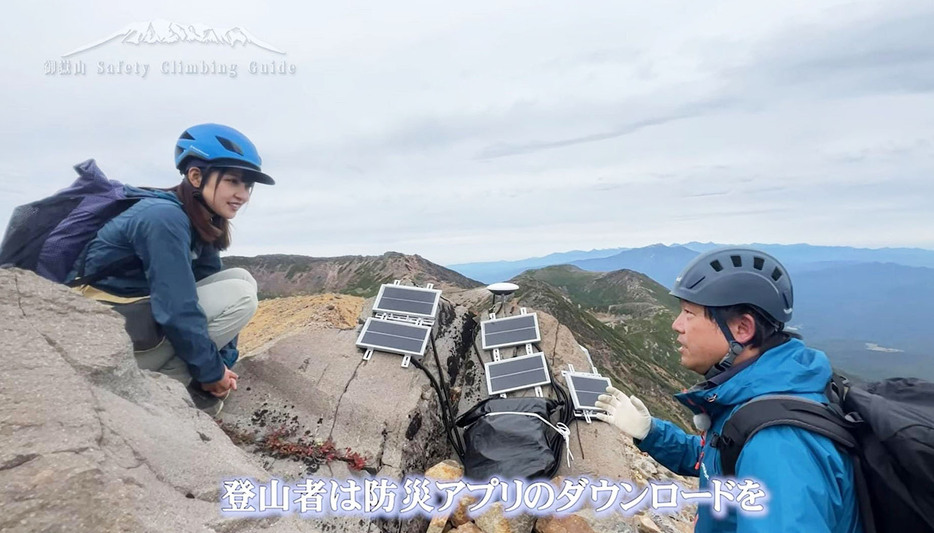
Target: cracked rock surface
{"type": "Point", "coordinates": [315, 384]}
{"type": "Point", "coordinates": [88, 442]}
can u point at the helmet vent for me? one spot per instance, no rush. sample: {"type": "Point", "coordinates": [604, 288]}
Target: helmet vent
{"type": "Point", "coordinates": [758, 263]}
{"type": "Point", "coordinates": [776, 274]}
{"type": "Point", "coordinates": [230, 145]}
{"type": "Point", "coordinates": [737, 260]}
{"type": "Point", "coordinates": [698, 282]}
{"type": "Point", "coordinates": [178, 151]}
{"type": "Point", "coordinates": [186, 135]}
{"type": "Point", "coordinates": [716, 265]}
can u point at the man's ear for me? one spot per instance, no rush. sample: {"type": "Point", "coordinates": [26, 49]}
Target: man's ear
{"type": "Point", "coordinates": [743, 328]}
{"type": "Point", "coordinates": [194, 177]}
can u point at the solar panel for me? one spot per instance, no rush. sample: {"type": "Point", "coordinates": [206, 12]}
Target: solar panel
{"type": "Point", "coordinates": [517, 373]}
{"type": "Point", "coordinates": [511, 331]}
{"type": "Point", "coordinates": [412, 301]}
{"type": "Point", "coordinates": [394, 337]}
{"type": "Point", "coordinates": [585, 388]}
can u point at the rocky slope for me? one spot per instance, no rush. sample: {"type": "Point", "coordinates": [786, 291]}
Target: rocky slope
{"type": "Point", "coordinates": [128, 451]}
{"type": "Point", "coordinates": [89, 442]}
{"type": "Point", "coordinates": [291, 275]}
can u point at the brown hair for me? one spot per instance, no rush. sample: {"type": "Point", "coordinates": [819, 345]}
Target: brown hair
{"type": "Point", "coordinates": [212, 228]}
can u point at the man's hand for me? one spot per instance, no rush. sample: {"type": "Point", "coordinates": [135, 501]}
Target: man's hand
{"type": "Point", "coordinates": [222, 387]}
{"type": "Point", "coordinates": [628, 414]}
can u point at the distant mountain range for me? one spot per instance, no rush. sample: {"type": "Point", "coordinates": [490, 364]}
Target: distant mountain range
{"type": "Point", "coordinates": [867, 308]}
{"type": "Point", "coordinates": [494, 271]}
{"type": "Point", "coordinates": [663, 263]}
{"type": "Point", "coordinates": [659, 262]}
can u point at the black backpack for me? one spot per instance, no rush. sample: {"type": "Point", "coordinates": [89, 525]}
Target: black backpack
{"type": "Point", "coordinates": [888, 430]}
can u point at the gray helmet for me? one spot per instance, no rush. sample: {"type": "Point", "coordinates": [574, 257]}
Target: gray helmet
{"type": "Point", "coordinates": [733, 276]}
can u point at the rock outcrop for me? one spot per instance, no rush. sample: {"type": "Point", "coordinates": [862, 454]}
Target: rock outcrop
{"type": "Point", "coordinates": [315, 384]}
{"type": "Point", "coordinates": [89, 442]}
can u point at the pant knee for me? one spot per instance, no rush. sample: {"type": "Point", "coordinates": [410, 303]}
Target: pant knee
{"type": "Point", "coordinates": [242, 273]}
{"type": "Point", "coordinates": [247, 302]}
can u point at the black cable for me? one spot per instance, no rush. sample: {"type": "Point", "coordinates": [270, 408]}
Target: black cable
{"type": "Point", "coordinates": [444, 386]}
{"type": "Point", "coordinates": [448, 425]}
{"type": "Point", "coordinates": [446, 401]}
{"type": "Point", "coordinates": [446, 422]}
{"type": "Point", "coordinates": [476, 350]}
{"type": "Point", "coordinates": [444, 394]}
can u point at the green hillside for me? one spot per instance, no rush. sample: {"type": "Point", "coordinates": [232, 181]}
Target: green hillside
{"type": "Point", "coordinates": [624, 319]}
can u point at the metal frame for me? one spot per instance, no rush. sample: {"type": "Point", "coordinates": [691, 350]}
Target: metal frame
{"type": "Point", "coordinates": [388, 349]}
{"type": "Point", "coordinates": [434, 306]}
{"type": "Point", "coordinates": [568, 375]}
{"type": "Point", "coordinates": [489, 379]}
{"type": "Point", "coordinates": [538, 332]}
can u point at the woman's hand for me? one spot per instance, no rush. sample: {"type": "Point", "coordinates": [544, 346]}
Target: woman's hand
{"type": "Point", "coordinates": [223, 387]}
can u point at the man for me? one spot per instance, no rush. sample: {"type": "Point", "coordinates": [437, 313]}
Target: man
{"type": "Point", "coordinates": [734, 305]}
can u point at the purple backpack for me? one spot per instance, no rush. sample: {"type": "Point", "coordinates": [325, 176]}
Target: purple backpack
{"type": "Point", "coordinates": [48, 235]}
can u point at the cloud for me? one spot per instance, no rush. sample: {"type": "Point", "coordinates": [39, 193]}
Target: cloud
{"type": "Point", "coordinates": [888, 50]}
{"type": "Point", "coordinates": [688, 111]}
{"type": "Point", "coordinates": [515, 129]}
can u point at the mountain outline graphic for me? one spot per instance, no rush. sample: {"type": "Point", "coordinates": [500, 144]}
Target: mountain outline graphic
{"type": "Point", "coordinates": [167, 32]}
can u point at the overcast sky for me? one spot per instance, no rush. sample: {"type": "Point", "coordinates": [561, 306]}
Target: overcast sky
{"type": "Point", "coordinates": [501, 130]}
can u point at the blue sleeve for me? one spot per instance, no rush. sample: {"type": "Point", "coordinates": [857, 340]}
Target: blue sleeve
{"type": "Point", "coordinates": [230, 353]}
{"type": "Point", "coordinates": [161, 237]}
{"type": "Point", "coordinates": [208, 263]}
{"type": "Point", "coordinates": [672, 447]}
{"type": "Point", "coordinates": [793, 472]}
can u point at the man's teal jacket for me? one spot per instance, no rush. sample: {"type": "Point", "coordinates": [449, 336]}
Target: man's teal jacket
{"type": "Point", "coordinates": [808, 483]}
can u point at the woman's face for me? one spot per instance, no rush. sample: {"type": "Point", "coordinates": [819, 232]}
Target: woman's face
{"type": "Point", "coordinates": [226, 192]}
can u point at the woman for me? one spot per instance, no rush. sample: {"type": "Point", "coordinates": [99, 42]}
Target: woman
{"type": "Point", "coordinates": [176, 234]}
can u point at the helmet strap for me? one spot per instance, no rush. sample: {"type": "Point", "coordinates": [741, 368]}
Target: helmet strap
{"type": "Point", "coordinates": [735, 347]}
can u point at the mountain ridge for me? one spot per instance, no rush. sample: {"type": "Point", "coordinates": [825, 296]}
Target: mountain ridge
{"type": "Point", "coordinates": [289, 275]}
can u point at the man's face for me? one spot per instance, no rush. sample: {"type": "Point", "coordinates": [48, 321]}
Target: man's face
{"type": "Point", "coordinates": [702, 342]}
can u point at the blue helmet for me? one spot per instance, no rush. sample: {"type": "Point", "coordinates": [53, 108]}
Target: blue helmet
{"type": "Point", "coordinates": [220, 146]}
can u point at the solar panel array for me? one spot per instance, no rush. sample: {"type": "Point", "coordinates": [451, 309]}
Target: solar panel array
{"type": "Point", "coordinates": [510, 331]}
{"type": "Point", "coordinates": [410, 301]}
{"type": "Point", "coordinates": [394, 336]}
{"type": "Point", "coordinates": [585, 388]}
{"type": "Point", "coordinates": [517, 373]}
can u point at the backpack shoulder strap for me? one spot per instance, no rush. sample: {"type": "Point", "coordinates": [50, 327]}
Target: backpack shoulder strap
{"type": "Point", "coordinates": [778, 410]}
{"type": "Point", "coordinates": [119, 265]}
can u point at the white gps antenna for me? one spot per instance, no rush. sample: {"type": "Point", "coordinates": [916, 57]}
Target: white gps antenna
{"type": "Point", "coordinates": [503, 290]}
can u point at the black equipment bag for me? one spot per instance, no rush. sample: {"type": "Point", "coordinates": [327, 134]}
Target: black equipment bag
{"type": "Point", "coordinates": [511, 446]}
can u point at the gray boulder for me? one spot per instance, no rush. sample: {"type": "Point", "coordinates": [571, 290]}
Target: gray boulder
{"type": "Point", "coordinates": [88, 442]}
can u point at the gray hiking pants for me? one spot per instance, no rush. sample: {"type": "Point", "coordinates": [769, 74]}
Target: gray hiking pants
{"type": "Point", "coordinates": [228, 300]}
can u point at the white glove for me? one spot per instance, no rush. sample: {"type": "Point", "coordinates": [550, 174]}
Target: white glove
{"type": "Point", "coordinates": [629, 414]}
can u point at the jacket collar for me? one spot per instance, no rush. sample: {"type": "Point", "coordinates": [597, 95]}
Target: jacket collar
{"type": "Point", "coordinates": [789, 368]}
